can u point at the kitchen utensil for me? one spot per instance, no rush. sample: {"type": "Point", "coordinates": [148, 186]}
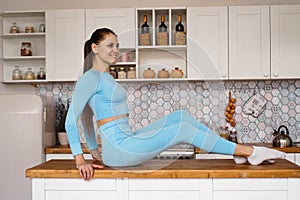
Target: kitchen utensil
{"type": "Point", "coordinates": [282, 138]}
{"type": "Point", "coordinates": [255, 105]}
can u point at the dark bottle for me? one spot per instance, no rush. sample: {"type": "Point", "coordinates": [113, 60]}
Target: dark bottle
{"type": "Point", "coordinates": [145, 26]}
{"type": "Point", "coordinates": [162, 27]}
{"type": "Point", "coordinates": [179, 27]}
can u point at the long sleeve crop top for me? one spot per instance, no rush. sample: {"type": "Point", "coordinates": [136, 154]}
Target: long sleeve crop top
{"type": "Point", "coordinates": [105, 97]}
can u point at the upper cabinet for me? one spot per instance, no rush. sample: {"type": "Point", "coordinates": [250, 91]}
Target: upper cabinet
{"type": "Point", "coordinates": [161, 43]}
{"type": "Point", "coordinates": [207, 43]}
{"type": "Point", "coordinates": [23, 45]}
{"type": "Point", "coordinates": [249, 42]}
{"type": "Point", "coordinates": [65, 41]}
{"type": "Point", "coordinates": [285, 41]}
{"type": "Point", "coordinates": [120, 20]}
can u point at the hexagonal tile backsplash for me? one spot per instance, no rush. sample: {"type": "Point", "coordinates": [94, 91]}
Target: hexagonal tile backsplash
{"type": "Point", "coordinates": [207, 101]}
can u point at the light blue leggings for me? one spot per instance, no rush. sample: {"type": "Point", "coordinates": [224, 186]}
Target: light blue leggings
{"type": "Point", "coordinates": [123, 147]}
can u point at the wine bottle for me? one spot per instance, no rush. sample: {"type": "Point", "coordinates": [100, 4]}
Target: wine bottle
{"type": "Point", "coordinates": [145, 26]}
{"type": "Point", "coordinates": [179, 27]}
{"type": "Point", "coordinates": [162, 27]}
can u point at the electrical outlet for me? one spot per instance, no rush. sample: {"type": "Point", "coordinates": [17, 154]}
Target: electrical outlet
{"type": "Point", "coordinates": [275, 109]}
{"type": "Point", "coordinates": [268, 88]}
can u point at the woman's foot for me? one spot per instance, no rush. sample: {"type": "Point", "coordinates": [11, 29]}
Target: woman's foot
{"type": "Point", "coordinates": [261, 154]}
{"type": "Point", "coordinates": [239, 160]}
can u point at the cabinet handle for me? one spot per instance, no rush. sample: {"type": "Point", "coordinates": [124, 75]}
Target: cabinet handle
{"type": "Point", "coordinates": [275, 75]}
{"type": "Point", "coordinates": [223, 75]}
{"type": "Point", "coordinates": [266, 75]}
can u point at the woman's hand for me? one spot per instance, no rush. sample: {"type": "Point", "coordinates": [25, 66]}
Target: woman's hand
{"type": "Point", "coordinates": [86, 169]}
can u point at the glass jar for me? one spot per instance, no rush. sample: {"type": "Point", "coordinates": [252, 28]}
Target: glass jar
{"type": "Point", "coordinates": [233, 136]}
{"type": "Point", "coordinates": [113, 72]}
{"type": "Point", "coordinates": [42, 28]}
{"type": "Point", "coordinates": [224, 132]}
{"type": "Point", "coordinates": [29, 75]}
{"type": "Point", "coordinates": [26, 49]}
{"type": "Point", "coordinates": [29, 29]}
{"type": "Point", "coordinates": [14, 28]}
{"type": "Point", "coordinates": [131, 74]}
{"type": "Point", "coordinates": [41, 75]}
{"type": "Point", "coordinates": [122, 73]}
{"type": "Point", "coordinates": [17, 73]}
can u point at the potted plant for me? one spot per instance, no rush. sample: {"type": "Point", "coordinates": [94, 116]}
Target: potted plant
{"type": "Point", "coordinates": [62, 111]}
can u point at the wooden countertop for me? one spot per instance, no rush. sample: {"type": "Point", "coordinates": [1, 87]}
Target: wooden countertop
{"type": "Point", "coordinates": [65, 149]}
{"type": "Point", "coordinates": [218, 168]}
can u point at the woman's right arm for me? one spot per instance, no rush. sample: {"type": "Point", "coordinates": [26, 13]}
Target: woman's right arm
{"type": "Point", "coordinates": [84, 90]}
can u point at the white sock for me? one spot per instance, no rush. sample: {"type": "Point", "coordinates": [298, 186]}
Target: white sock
{"type": "Point", "coordinates": [261, 154]}
{"type": "Point", "coordinates": [240, 160]}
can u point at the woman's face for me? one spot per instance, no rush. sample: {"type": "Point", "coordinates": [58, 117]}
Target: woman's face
{"type": "Point", "coordinates": [107, 51]}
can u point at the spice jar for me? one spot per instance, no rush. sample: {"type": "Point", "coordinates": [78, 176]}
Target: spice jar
{"type": "Point", "coordinates": [163, 73]}
{"type": "Point", "coordinates": [14, 28]}
{"type": "Point", "coordinates": [17, 73]}
{"type": "Point", "coordinates": [176, 73]}
{"type": "Point", "coordinates": [131, 74]}
{"type": "Point", "coordinates": [149, 73]}
{"type": "Point", "coordinates": [41, 75]}
{"type": "Point", "coordinates": [29, 75]}
{"type": "Point", "coordinates": [122, 73]}
{"type": "Point", "coordinates": [113, 72]}
{"type": "Point", "coordinates": [224, 132]}
{"type": "Point", "coordinates": [29, 29]}
{"type": "Point", "coordinates": [26, 49]}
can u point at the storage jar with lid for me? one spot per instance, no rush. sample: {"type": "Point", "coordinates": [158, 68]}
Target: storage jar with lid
{"type": "Point", "coordinates": [163, 73]}
{"type": "Point", "coordinates": [14, 28]}
{"type": "Point", "coordinates": [176, 73]}
{"type": "Point", "coordinates": [17, 73]}
{"type": "Point", "coordinates": [26, 49]}
{"type": "Point", "coordinates": [41, 75]}
{"type": "Point", "coordinates": [122, 73]}
{"type": "Point", "coordinates": [131, 74]}
{"type": "Point", "coordinates": [29, 75]}
{"type": "Point", "coordinates": [29, 29]}
{"type": "Point", "coordinates": [113, 72]}
{"type": "Point", "coordinates": [149, 73]}
{"type": "Point", "coordinates": [42, 28]}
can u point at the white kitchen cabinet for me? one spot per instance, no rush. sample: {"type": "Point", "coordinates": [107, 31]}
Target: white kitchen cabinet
{"type": "Point", "coordinates": [285, 41]}
{"type": "Point", "coordinates": [207, 43]}
{"type": "Point", "coordinates": [12, 42]}
{"type": "Point", "coordinates": [65, 39]}
{"type": "Point", "coordinates": [249, 42]}
{"type": "Point", "coordinates": [120, 20]}
{"type": "Point", "coordinates": [166, 188]}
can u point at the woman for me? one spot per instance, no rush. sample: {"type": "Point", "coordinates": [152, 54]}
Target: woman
{"type": "Point", "coordinates": [96, 93]}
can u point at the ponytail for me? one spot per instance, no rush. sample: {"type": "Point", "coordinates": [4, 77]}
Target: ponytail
{"type": "Point", "coordinates": [88, 56]}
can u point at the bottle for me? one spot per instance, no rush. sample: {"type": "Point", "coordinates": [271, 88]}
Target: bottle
{"type": "Point", "coordinates": [17, 73]}
{"type": "Point", "coordinates": [29, 75]}
{"type": "Point", "coordinates": [145, 26]}
{"type": "Point", "coordinates": [162, 27]}
{"type": "Point", "coordinates": [179, 26]}
{"type": "Point", "coordinates": [122, 73]}
{"type": "Point", "coordinates": [41, 75]}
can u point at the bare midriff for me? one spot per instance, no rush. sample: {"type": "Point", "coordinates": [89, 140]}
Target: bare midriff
{"type": "Point", "coordinates": [110, 119]}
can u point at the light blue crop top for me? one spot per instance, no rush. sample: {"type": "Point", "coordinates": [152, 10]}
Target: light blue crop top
{"type": "Point", "coordinates": [106, 98]}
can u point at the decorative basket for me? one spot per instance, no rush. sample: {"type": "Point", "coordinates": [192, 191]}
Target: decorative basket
{"type": "Point", "coordinates": [162, 38]}
{"type": "Point", "coordinates": [180, 38]}
{"type": "Point", "coordinates": [145, 39]}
